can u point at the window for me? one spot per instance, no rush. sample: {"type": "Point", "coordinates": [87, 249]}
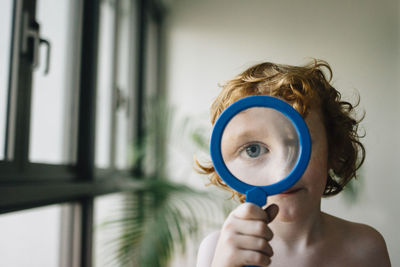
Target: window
{"type": "Point", "coordinates": [124, 89]}
{"type": "Point", "coordinates": [38, 240]}
{"type": "Point", "coordinates": [105, 83]}
{"type": "Point", "coordinates": [115, 85]}
{"type": "Point", "coordinates": [52, 139]}
{"type": "Point", "coordinates": [105, 237]}
{"type": "Point", "coordinates": [5, 49]}
{"type": "Point", "coordinates": [72, 89]}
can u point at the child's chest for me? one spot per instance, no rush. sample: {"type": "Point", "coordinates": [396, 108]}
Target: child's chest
{"type": "Point", "coordinates": [327, 255]}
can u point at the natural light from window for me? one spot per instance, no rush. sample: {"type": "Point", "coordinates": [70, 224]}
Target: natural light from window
{"type": "Point", "coordinates": [105, 85]}
{"type": "Point", "coordinates": [53, 97]}
{"type": "Point", "coordinates": [31, 237]}
{"type": "Point", "coordinates": [5, 44]}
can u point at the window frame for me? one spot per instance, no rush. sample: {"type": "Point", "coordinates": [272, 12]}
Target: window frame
{"type": "Point", "coordinates": [25, 185]}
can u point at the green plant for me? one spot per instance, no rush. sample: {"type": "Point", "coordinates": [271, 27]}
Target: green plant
{"type": "Point", "coordinates": [159, 216]}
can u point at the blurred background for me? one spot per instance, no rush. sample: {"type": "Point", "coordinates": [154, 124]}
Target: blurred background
{"type": "Point", "coordinates": [104, 103]}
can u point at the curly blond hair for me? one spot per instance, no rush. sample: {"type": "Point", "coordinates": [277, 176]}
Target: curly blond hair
{"type": "Point", "coordinates": [303, 87]}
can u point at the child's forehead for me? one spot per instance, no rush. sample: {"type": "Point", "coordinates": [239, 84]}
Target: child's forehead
{"type": "Point", "coordinates": [307, 102]}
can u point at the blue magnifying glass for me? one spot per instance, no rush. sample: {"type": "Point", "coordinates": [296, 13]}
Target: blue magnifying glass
{"type": "Point", "coordinates": [260, 146]}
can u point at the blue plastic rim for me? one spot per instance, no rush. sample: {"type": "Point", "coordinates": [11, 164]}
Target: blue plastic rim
{"type": "Point", "coordinates": [272, 189]}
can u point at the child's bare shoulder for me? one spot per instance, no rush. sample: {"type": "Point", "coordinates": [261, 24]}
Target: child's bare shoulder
{"type": "Point", "coordinates": [207, 249]}
{"type": "Point", "coordinates": [210, 240]}
{"type": "Point", "coordinates": [360, 242]}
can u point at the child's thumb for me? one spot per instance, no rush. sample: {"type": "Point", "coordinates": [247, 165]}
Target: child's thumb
{"type": "Point", "coordinates": [272, 210]}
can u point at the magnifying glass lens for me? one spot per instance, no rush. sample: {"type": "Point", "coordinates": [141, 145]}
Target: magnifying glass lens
{"type": "Point", "coordinates": [260, 146]}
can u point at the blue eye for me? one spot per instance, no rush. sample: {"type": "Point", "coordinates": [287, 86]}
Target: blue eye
{"type": "Point", "coordinates": [255, 150]}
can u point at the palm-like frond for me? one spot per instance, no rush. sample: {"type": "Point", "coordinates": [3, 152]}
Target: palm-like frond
{"type": "Point", "coordinates": [159, 217]}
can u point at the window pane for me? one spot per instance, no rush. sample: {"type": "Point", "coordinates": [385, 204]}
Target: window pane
{"type": "Point", "coordinates": [124, 81]}
{"type": "Point", "coordinates": [106, 209]}
{"type": "Point", "coordinates": [54, 96]}
{"type": "Point", "coordinates": [5, 51]}
{"type": "Point", "coordinates": [152, 59]}
{"type": "Point", "coordinates": [105, 84]}
{"type": "Point", "coordinates": [153, 96]}
{"type": "Point", "coordinates": [31, 237]}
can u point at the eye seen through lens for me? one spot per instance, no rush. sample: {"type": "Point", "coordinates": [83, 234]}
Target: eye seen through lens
{"type": "Point", "coordinates": [260, 146]}
{"type": "Point", "coordinates": [255, 150]}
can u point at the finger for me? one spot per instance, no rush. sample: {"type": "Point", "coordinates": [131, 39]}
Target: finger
{"type": "Point", "coordinates": [255, 228]}
{"type": "Point", "coordinates": [254, 243]}
{"type": "Point", "coordinates": [253, 258]}
{"type": "Point", "coordinates": [271, 211]}
{"type": "Point", "coordinates": [250, 211]}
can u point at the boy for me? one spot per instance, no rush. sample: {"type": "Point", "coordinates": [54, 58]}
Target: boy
{"type": "Point", "coordinates": [292, 230]}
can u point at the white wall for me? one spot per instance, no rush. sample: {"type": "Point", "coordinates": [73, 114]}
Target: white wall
{"type": "Point", "coordinates": [210, 41]}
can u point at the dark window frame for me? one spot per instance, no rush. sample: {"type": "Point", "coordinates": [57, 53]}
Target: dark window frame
{"type": "Point", "coordinates": [25, 185]}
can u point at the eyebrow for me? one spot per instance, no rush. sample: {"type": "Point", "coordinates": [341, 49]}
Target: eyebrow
{"type": "Point", "coordinates": [245, 133]}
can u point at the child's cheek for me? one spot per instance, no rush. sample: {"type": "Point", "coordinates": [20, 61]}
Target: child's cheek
{"type": "Point", "coordinates": [316, 172]}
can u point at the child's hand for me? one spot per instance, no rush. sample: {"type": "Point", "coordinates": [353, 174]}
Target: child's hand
{"type": "Point", "coordinates": [244, 238]}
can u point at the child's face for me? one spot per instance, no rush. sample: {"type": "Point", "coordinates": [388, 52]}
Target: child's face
{"type": "Point", "coordinates": [305, 196]}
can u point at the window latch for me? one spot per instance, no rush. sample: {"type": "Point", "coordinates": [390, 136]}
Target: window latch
{"type": "Point", "coordinates": [31, 42]}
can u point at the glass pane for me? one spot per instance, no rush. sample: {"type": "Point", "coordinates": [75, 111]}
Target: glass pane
{"type": "Point", "coordinates": [152, 59]}
{"type": "Point", "coordinates": [125, 47]}
{"type": "Point", "coordinates": [106, 209]}
{"type": "Point", "coordinates": [154, 97]}
{"type": "Point", "coordinates": [31, 237]}
{"type": "Point", "coordinates": [5, 51]}
{"type": "Point", "coordinates": [105, 84]}
{"type": "Point", "coordinates": [54, 96]}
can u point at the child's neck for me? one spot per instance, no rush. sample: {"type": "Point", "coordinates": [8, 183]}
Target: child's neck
{"type": "Point", "coordinates": [300, 232]}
